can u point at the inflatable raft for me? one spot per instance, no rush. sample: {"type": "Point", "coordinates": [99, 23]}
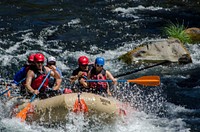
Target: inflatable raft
{"type": "Point", "coordinates": [56, 109]}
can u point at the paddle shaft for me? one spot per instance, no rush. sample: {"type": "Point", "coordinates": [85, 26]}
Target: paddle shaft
{"type": "Point", "coordinates": [23, 112]}
{"type": "Point", "coordinates": [11, 88]}
{"type": "Point", "coordinates": [5, 91]}
{"type": "Point", "coordinates": [4, 83]}
{"type": "Point", "coordinates": [10, 84]}
{"type": "Point", "coordinates": [105, 81]}
{"type": "Point", "coordinates": [134, 81]}
{"type": "Point", "coordinates": [32, 99]}
{"type": "Point", "coordinates": [137, 70]}
{"type": "Point", "coordinates": [144, 80]}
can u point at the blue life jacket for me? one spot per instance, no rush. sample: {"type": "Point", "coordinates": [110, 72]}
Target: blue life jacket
{"type": "Point", "coordinates": [21, 74]}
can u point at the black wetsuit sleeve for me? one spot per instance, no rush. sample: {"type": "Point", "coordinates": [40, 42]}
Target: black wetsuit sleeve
{"type": "Point", "coordinates": [75, 72]}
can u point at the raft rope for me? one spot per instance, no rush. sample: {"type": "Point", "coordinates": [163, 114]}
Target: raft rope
{"type": "Point", "coordinates": [79, 101]}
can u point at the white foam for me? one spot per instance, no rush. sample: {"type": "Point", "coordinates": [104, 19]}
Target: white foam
{"type": "Point", "coordinates": [130, 11]}
{"type": "Point", "coordinates": [194, 50]}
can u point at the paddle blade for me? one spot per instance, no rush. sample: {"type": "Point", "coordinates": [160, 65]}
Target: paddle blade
{"type": "Point", "coordinates": [147, 80]}
{"type": "Point", "coordinates": [23, 112]}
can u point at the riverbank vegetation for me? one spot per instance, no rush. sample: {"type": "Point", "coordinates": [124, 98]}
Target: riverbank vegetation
{"type": "Point", "coordinates": [177, 31]}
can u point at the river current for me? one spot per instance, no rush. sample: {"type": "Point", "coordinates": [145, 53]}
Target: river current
{"type": "Point", "coordinates": [109, 28]}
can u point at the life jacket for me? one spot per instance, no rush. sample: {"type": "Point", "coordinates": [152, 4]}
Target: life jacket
{"type": "Point", "coordinates": [98, 76]}
{"type": "Point", "coordinates": [38, 79]}
{"type": "Point", "coordinates": [27, 68]}
{"type": "Point", "coordinates": [21, 74]}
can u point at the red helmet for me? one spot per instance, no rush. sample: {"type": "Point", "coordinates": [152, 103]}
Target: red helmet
{"type": "Point", "coordinates": [39, 57]}
{"type": "Point", "coordinates": [83, 60]}
{"type": "Point", "coordinates": [31, 58]}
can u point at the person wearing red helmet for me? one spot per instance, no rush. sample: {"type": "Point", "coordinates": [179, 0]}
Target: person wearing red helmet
{"type": "Point", "coordinates": [79, 75]}
{"type": "Point", "coordinates": [83, 60]}
{"type": "Point", "coordinates": [31, 59]}
{"type": "Point", "coordinates": [36, 74]}
{"type": "Point", "coordinates": [21, 74]}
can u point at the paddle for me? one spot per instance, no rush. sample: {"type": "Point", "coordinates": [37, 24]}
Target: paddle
{"type": "Point", "coordinates": [10, 87]}
{"type": "Point", "coordinates": [137, 70]}
{"type": "Point", "coordinates": [144, 80]}
{"type": "Point", "coordinates": [22, 113]}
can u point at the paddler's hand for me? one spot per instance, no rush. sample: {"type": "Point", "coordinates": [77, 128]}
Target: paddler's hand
{"type": "Point", "coordinates": [52, 67]}
{"type": "Point", "coordinates": [115, 82]}
{"type": "Point", "coordinates": [80, 74]}
{"type": "Point", "coordinates": [36, 92]}
{"type": "Point", "coordinates": [109, 93]}
{"type": "Point", "coordinates": [73, 79]}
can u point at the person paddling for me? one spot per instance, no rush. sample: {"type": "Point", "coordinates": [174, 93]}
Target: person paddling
{"type": "Point", "coordinates": [79, 75]}
{"type": "Point", "coordinates": [36, 75]}
{"type": "Point", "coordinates": [99, 73]}
{"type": "Point", "coordinates": [21, 74]}
{"type": "Point", "coordinates": [51, 61]}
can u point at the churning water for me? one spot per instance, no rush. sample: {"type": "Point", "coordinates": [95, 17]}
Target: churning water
{"type": "Point", "coordinates": [108, 28]}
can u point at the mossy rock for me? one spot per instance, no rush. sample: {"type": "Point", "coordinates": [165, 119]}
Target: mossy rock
{"type": "Point", "coordinates": [194, 34]}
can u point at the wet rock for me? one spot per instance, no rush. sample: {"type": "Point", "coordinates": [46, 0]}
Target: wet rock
{"type": "Point", "coordinates": [158, 51]}
{"type": "Point", "coordinates": [194, 34]}
{"type": "Point", "coordinates": [184, 59]}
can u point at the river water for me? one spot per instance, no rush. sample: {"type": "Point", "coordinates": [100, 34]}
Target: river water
{"type": "Point", "coordinates": [108, 28]}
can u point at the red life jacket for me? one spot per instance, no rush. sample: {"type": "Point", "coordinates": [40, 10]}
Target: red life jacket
{"type": "Point", "coordinates": [39, 77]}
{"type": "Point", "coordinates": [98, 76]}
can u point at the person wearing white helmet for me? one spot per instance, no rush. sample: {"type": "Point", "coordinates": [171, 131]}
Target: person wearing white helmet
{"type": "Point", "coordinates": [52, 61]}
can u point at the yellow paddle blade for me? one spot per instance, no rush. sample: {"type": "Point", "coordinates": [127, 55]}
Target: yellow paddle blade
{"type": "Point", "coordinates": [147, 80]}
{"type": "Point", "coordinates": [23, 112]}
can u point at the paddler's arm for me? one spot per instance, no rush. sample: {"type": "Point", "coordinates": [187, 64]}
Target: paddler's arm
{"type": "Point", "coordinates": [58, 82]}
{"type": "Point", "coordinates": [56, 75]}
{"type": "Point", "coordinates": [29, 77]}
{"type": "Point", "coordinates": [108, 91]}
{"type": "Point", "coordinates": [88, 78]}
{"type": "Point", "coordinates": [75, 77]}
{"type": "Point", "coordinates": [110, 76]}
{"type": "Point", "coordinates": [82, 79]}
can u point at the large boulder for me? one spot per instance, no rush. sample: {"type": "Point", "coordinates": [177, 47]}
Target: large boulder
{"type": "Point", "coordinates": [194, 34]}
{"type": "Point", "coordinates": [158, 51]}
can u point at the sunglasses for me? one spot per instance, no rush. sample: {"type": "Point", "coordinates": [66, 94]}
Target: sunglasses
{"type": "Point", "coordinates": [39, 62]}
{"type": "Point", "coordinates": [84, 65]}
{"type": "Point", "coordinates": [31, 62]}
{"type": "Point", "coordinates": [99, 65]}
{"type": "Point", "coordinates": [51, 63]}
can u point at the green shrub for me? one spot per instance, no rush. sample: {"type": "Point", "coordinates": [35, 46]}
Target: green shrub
{"type": "Point", "coordinates": [177, 31]}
